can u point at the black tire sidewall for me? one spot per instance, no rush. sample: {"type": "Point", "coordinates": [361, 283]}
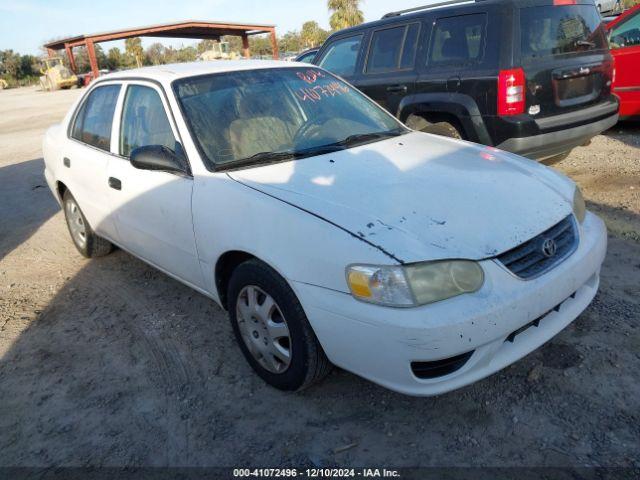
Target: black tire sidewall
{"type": "Point", "coordinates": [86, 249]}
{"type": "Point", "coordinates": [260, 275]}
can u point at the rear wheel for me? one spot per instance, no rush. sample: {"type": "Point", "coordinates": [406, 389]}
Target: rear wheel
{"type": "Point", "coordinates": [272, 329]}
{"type": "Point", "coordinates": [84, 238]}
{"type": "Point", "coordinates": [442, 128]}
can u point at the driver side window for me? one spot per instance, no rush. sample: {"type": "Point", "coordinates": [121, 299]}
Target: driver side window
{"type": "Point", "coordinates": [144, 121]}
{"type": "Point", "coordinates": [342, 56]}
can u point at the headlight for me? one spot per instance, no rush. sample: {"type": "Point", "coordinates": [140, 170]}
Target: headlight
{"type": "Point", "coordinates": [416, 284]}
{"type": "Point", "coordinates": [579, 208]}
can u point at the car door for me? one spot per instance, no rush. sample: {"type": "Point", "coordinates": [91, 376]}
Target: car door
{"type": "Point", "coordinates": [87, 155]}
{"type": "Point", "coordinates": [440, 70]}
{"type": "Point", "coordinates": [152, 208]}
{"type": "Point", "coordinates": [389, 68]}
{"type": "Point", "coordinates": [624, 41]}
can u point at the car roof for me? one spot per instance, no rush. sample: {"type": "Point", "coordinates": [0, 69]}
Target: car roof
{"type": "Point", "coordinates": [169, 72]}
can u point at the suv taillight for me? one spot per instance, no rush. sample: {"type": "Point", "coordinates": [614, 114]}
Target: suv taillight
{"type": "Point", "coordinates": [511, 92]}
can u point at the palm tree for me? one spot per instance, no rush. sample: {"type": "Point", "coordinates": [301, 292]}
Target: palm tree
{"type": "Point", "coordinates": [345, 13]}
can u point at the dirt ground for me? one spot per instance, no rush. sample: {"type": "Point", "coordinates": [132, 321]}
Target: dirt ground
{"type": "Point", "coordinates": [111, 363]}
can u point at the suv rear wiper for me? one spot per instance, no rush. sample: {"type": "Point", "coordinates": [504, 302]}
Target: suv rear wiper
{"type": "Point", "coordinates": [585, 43]}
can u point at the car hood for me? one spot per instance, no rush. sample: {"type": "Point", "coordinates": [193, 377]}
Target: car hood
{"type": "Point", "coordinates": [422, 197]}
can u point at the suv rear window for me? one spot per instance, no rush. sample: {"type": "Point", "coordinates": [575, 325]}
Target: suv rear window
{"type": "Point", "coordinates": [554, 30]}
{"type": "Point", "coordinates": [393, 48]}
{"type": "Point", "coordinates": [458, 40]}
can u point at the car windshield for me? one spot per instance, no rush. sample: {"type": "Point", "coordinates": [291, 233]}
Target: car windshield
{"type": "Point", "coordinates": [261, 116]}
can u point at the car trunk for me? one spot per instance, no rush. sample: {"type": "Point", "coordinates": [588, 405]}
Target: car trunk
{"type": "Point", "coordinates": [565, 58]}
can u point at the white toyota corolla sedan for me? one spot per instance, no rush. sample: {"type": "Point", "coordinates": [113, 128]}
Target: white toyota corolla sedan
{"type": "Point", "coordinates": [330, 232]}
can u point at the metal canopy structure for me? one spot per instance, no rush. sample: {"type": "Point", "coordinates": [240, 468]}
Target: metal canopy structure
{"type": "Point", "coordinates": [187, 29]}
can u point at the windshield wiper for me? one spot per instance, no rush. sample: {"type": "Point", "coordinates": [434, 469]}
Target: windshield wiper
{"type": "Point", "coordinates": [585, 43]}
{"type": "Point", "coordinates": [364, 137]}
{"type": "Point", "coordinates": [272, 157]}
{"type": "Point", "coordinates": [264, 157]}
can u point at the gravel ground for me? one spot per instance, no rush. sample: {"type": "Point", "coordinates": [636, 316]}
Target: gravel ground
{"type": "Point", "coordinates": [111, 363]}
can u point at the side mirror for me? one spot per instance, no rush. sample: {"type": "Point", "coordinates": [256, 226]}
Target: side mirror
{"type": "Point", "coordinates": [160, 158]}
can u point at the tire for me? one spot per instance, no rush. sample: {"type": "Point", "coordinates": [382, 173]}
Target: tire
{"type": "Point", "coordinates": [445, 129]}
{"type": "Point", "coordinates": [307, 362]}
{"type": "Point", "coordinates": [84, 238]}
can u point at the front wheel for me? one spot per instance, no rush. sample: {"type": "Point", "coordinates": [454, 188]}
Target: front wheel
{"type": "Point", "coordinates": [272, 329]}
{"type": "Point", "coordinates": [84, 238]}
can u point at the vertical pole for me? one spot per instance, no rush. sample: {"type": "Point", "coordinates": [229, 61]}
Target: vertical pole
{"type": "Point", "coordinates": [72, 60]}
{"type": "Point", "coordinates": [274, 44]}
{"type": "Point", "coordinates": [245, 46]}
{"type": "Point", "coordinates": [93, 61]}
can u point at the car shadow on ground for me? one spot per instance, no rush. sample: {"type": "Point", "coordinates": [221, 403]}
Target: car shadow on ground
{"type": "Point", "coordinates": [625, 131]}
{"type": "Point", "coordinates": [20, 219]}
{"type": "Point", "coordinates": [126, 366]}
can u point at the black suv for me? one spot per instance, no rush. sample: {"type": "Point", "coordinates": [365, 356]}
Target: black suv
{"type": "Point", "coordinates": [528, 76]}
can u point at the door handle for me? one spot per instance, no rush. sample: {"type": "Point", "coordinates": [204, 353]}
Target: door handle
{"type": "Point", "coordinates": [66, 162]}
{"type": "Point", "coordinates": [453, 83]}
{"type": "Point", "coordinates": [115, 183]}
{"type": "Point", "coordinates": [397, 89]}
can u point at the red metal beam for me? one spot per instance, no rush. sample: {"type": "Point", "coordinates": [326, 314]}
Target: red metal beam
{"type": "Point", "coordinates": [245, 46]}
{"type": "Point", "coordinates": [93, 61]}
{"type": "Point", "coordinates": [72, 60]}
{"type": "Point", "coordinates": [274, 44]}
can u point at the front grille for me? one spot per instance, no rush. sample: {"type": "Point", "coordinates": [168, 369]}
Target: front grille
{"type": "Point", "coordinates": [530, 259]}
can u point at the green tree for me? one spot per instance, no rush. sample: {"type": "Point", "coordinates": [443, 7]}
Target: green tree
{"type": "Point", "coordinates": [115, 60]}
{"type": "Point", "coordinates": [290, 42]}
{"type": "Point", "coordinates": [155, 54]}
{"type": "Point", "coordinates": [10, 64]}
{"type": "Point", "coordinates": [133, 50]}
{"type": "Point", "coordinates": [346, 13]}
{"type": "Point", "coordinates": [312, 35]}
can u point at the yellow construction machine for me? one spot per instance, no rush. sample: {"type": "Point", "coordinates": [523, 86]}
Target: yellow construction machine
{"type": "Point", "coordinates": [55, 75]}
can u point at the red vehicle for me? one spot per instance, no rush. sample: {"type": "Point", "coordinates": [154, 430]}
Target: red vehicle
{"type": "Point", "coordinates": [624, 39]}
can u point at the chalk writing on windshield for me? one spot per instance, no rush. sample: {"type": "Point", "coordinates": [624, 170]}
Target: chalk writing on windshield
{"type": "Point", "coordinates": [310, 76]}
{"type": "Point", "coordinates": [320, 92]}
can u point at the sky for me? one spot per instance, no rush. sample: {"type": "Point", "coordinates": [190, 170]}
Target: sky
{"type": "Point", "coordinates": [26, 24]}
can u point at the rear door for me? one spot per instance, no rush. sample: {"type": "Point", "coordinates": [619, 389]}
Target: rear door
{"type": "Point", "coordinates": [624, 40]}
{"type": "Point", "coordinates": [563, 51]}
{"type": "Point", "coordinates": [389, 72]}
{"type": "Point", "coordinates": [87, 155]}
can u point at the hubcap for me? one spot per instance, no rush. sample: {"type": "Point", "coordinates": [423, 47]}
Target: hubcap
{"type": "Point", "coordinates": [76, 223]}
{"type": "Point", "coordinates": [263, 329]}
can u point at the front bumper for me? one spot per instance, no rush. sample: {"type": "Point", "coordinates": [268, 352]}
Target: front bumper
{"type": "Point", "coordinates": [547, 145]}
{"type": "Point", "coordinates": [379, 343]}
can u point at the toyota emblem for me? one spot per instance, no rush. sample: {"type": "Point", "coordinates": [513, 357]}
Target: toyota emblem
{"type": "Point", "coordinates": [549, 247]}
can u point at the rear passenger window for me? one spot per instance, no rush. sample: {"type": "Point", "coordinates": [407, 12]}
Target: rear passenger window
{"type": "Point", "coordinates": [341, 57]}
{"type": "Point", "coordinates": [392, 48]}
{"type": "Point", "coordinates": [144, 121]}
{"type": "Point", "coordinates": [95, 117]}
{"type": "Point", "coordinates": [457, 40]}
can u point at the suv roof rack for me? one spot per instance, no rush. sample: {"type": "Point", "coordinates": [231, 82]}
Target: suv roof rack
{"type": "Point", "coordinates": [426, 7]}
